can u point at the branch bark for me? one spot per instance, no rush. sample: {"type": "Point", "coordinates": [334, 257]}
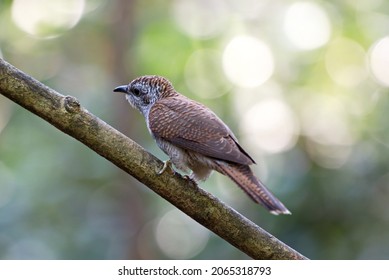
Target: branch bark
{"type": "Point", "coordinates": [66, 113]}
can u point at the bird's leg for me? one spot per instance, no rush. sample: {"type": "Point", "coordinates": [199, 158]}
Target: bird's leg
{"type": "Point", "coordinates": [167, 165]}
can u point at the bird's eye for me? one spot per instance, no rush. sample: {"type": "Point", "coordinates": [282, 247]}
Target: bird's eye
{"type": "Point", "coordinates": [136, 91]}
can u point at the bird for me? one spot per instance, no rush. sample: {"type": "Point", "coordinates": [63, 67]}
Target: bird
{"type": "Point", "coordinates": [195, 138]}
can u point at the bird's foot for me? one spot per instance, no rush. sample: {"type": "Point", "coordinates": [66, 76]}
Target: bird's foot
{"type": "Point", "coordinates": [190, 178]}
{"type": "Point", "coordinates": [167, 166]}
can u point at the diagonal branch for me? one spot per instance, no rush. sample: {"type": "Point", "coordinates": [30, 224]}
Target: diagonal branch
{"type": "Point", "coordinates": [66, 113]}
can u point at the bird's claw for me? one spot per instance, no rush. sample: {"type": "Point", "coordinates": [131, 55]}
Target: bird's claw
{"type": "Point", "coordinates": [190, 179]}
{"type": "Point", "coordinates": [167, 165]}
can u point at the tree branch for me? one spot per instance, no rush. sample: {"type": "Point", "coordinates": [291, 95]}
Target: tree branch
{"type": "Point", "coordinates": [66, 113]}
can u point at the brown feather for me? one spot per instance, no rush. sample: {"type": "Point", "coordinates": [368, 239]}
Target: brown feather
{"type": "Point", "coordinates": [191, 126]}
{"type": "Point", "coordinates": [194, 137]}
{"type": "Point", "coordinates": [244, 178]}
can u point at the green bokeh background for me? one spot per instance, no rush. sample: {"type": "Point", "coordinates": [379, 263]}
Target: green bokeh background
{"type": "Point", "coordinates": [60, 200]}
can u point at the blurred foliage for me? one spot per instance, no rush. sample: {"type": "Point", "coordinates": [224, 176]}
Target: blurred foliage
{"type": "Point", "coordinates": [309, 105]}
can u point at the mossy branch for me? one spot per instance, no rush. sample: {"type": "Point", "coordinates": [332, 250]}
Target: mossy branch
{"type": "Point", "coordinates": [66, 114]}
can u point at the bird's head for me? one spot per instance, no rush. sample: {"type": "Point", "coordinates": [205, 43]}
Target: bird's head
{"type": "Point", "coordinates": [144, 91]}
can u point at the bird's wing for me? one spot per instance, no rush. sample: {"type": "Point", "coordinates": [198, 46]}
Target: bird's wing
{"type": "Point", "coordinates": [191, 126]}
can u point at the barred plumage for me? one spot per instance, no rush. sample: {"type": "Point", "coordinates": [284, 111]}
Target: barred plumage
{"type": "Point", "coordinates": [195, 138]}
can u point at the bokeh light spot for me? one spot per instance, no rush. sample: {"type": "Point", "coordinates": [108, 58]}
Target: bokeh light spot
{"type": "Point", "coordinates": [379, 61]}
{"type": "Point", "coordinates": [324, 122]}
{"type": "Point", "coordinates": [307, 25]}
{"type": "Point", "coordinates": [204, 75]}
{"type": "Point", "coordinates": [250, 9]}
{"type": "Point", "coordinates": [346, 62]}
{"type": "Point", "coordinates": [271, 126]}
{"type": "Point", "coordinates": [247, 61]}
{"type": "Point", "coordinates": [328, 156]}
{"type": "Point", "coordinates": [179, 237]}
{"type": "Point", "coordinates": [200, 19]}
{"type": "Point", "coordinates": [45, 18]}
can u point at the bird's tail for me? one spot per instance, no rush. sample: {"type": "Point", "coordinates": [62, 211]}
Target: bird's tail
{"type": "Point", "coordinates": [244, 178]}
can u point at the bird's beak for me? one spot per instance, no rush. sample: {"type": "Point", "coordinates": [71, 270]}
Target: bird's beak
{"type": "Point", "coordinates": [121, 89]}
